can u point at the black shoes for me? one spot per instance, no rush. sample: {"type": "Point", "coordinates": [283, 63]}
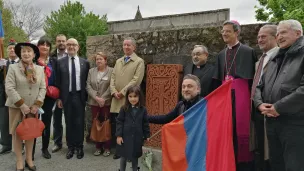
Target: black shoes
{"type": "Point", "coordinates": [115, 156]}
{"type": "Point", "coordinates": [31, 168]}
{"type": "Point", "coordinates": [46, 154]}
{"type": "Point", "coordinates": [80, 153]}
{"type": "Point", "coordinates": [70, 154]}
{"type": "Point", "coordinates": [56, 148]}
{"type": "Point", "coordinates": [137, 169]}
{"type": "Point", "coordinates": [5, 150]}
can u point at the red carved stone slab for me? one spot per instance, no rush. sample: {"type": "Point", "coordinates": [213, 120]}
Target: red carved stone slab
{"type": "Point", "coordinates": [162, 93]}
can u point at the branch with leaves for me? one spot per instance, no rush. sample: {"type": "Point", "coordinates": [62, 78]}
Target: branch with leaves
{"type": "Point", "coordinates": [277, 10]}
{"type": "Point", "coordinates": [73, 21]}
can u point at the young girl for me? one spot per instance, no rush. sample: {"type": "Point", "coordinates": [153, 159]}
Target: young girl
{"type": "Point", "coordinates": [132, 128]}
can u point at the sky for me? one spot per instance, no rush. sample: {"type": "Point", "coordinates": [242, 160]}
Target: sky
{"type": "Point", "coordinates": [240, 10]}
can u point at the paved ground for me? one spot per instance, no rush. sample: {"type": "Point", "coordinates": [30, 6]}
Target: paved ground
{"type": "Point", "coordinates": [58, 162]}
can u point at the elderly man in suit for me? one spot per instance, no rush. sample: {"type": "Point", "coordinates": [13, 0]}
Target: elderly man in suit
{"type": "Point", "coordinates": [201, 68]}
{"type": "Point", "coordinates": [129, 70]}
{"type": "Point", "coordinates": [72, 73]}
{"type": "Point", "coordinates": [280, 95]}
{"type": "Point", "coordinates": [258, 140]}
{"type": "Point", "coordinates": [6, 138]}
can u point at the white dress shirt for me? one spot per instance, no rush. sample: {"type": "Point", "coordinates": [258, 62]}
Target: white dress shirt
{"type": "Point", "coordinates": [269, 54]}
{"type": "Point", "coordinates": [63, 55]}
{"type": "Point", "coordinates": [16, 60]}
{"type": "Point", "coordinates": [77, 66]}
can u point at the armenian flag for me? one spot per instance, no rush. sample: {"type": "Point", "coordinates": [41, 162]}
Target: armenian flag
{"type": "Point", "coordinates": [200, 139]}
{"type": "Point", "coordinates": [1, 37]}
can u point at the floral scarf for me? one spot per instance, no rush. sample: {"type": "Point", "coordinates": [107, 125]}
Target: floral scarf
{"type": "Point", "coordinates": [29, 71]}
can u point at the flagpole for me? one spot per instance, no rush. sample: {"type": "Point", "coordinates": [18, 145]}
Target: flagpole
{"type": "Point", "coordinates": [2, 44]}
{"type": "Point", "coordinates": [1, 48]}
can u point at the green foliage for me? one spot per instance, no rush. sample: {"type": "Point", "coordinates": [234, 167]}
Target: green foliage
{"type": "Point", "coordinates": [73, 21]}
{"type": "Point", "coordinates": [10, 30]}
{"type": "Point", "coordinates": [277, 10]}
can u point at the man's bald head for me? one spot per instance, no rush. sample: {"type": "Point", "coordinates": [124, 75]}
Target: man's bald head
{"type": "Point", "coordinates": [72, 47]}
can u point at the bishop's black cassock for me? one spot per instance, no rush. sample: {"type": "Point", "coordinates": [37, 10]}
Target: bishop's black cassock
{"type": "Point", "coordinates": [238, 63]}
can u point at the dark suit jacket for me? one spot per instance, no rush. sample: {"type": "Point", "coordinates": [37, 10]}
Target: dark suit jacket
{"type": "Point", "coordinates": [54, 53]}
{"type": "Point", "coordinates": [245, 64]}
{"type": "Point", "coordinates": [2, 86]}
{"type": "Point", "coordinates": [63, 78]}
{"type": "Point", "coordinates": [205, 77]}
{"type": "Point", "coordinates": [8, 63]}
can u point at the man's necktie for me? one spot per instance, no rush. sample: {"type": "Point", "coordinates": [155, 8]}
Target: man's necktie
{"type": "Point", "coordinates": [257, 76]}
{"type": "Point", "coordinates": [126, 59]}
{"type": "Point", "coordinates": [73, 75]}
{"type": "Point", "coordinates": [12, 62]}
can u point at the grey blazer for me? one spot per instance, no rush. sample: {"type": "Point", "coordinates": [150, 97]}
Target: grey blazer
{"type": "Point", "coordinates": [100, 88]}
{"type": "Point", "coordinates": [20, 91]}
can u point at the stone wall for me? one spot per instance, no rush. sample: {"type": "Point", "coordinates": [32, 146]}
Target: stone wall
{"type": "Point", "coordinates": [178, 21]}
{"type": "Point", "coordinates": [169, 46]}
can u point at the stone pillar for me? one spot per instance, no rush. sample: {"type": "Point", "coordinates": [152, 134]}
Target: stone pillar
{"type": "Point", "coordinates": [163, 92]}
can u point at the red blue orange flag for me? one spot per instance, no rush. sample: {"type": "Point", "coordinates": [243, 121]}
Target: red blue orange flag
{"type": "Point", "coordinates": [1, 37]}
{"type": "Point", "coordinates": [201, 138]}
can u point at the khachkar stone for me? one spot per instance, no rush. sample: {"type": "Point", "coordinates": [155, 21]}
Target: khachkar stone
{"type": "Point", "coordinates": [163, 92]}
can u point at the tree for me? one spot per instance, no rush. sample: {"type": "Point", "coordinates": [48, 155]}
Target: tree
{"type": "Point", "coordinates": [27, 17]}
{"type": "Point", "coordinates": [73, 21]}
{"type": "Point", "coordinates": [10, 30]}
{"type": "Point", "coordinates": [277, 10]}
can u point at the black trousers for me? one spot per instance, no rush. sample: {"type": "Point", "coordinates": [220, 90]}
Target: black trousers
{"type": "Point", "coordinates": [286, 140]}
{"type": "Point", "coordinates": [123, 164]}
{"type": "Point", "coordinates": [47, 119]}
{"type": "Point", "coordinates": [74, 110]}
{"type": "Point", "coordinates": [6, 138]}
{"type": "Point", "coordinates": [57, 126]}
{"type": "Point", "coordinates": [260, 163]}
{"type": "Point", "coordinates": [113, 129]}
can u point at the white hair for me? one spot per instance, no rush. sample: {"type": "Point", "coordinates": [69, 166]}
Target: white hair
{"type": "Point", "coordinates": [133, 41]}
{"type": "Point", "coordinates": [293, 24]}
{"type": "Point", "coordinates": [204, 48]}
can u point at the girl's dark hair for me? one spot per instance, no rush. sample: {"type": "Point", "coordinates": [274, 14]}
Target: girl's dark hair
{"type": "Point", "coordinates": [134, 89]}
{"type": "Point", "coordinates": [46, 41]}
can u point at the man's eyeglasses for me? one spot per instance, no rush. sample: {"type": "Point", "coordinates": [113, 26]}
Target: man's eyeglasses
{"type": "Point", "coordinates": [197, 54]}
{"type": "Point", "coordinates": [74, 45]}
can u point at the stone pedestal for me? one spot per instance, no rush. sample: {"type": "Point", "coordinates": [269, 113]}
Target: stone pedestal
{"type": "Point", "coordinates": [163, 92]}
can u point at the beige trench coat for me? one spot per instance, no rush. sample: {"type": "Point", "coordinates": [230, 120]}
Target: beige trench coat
{"type": "Point", "coordinates": [123, 76]}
